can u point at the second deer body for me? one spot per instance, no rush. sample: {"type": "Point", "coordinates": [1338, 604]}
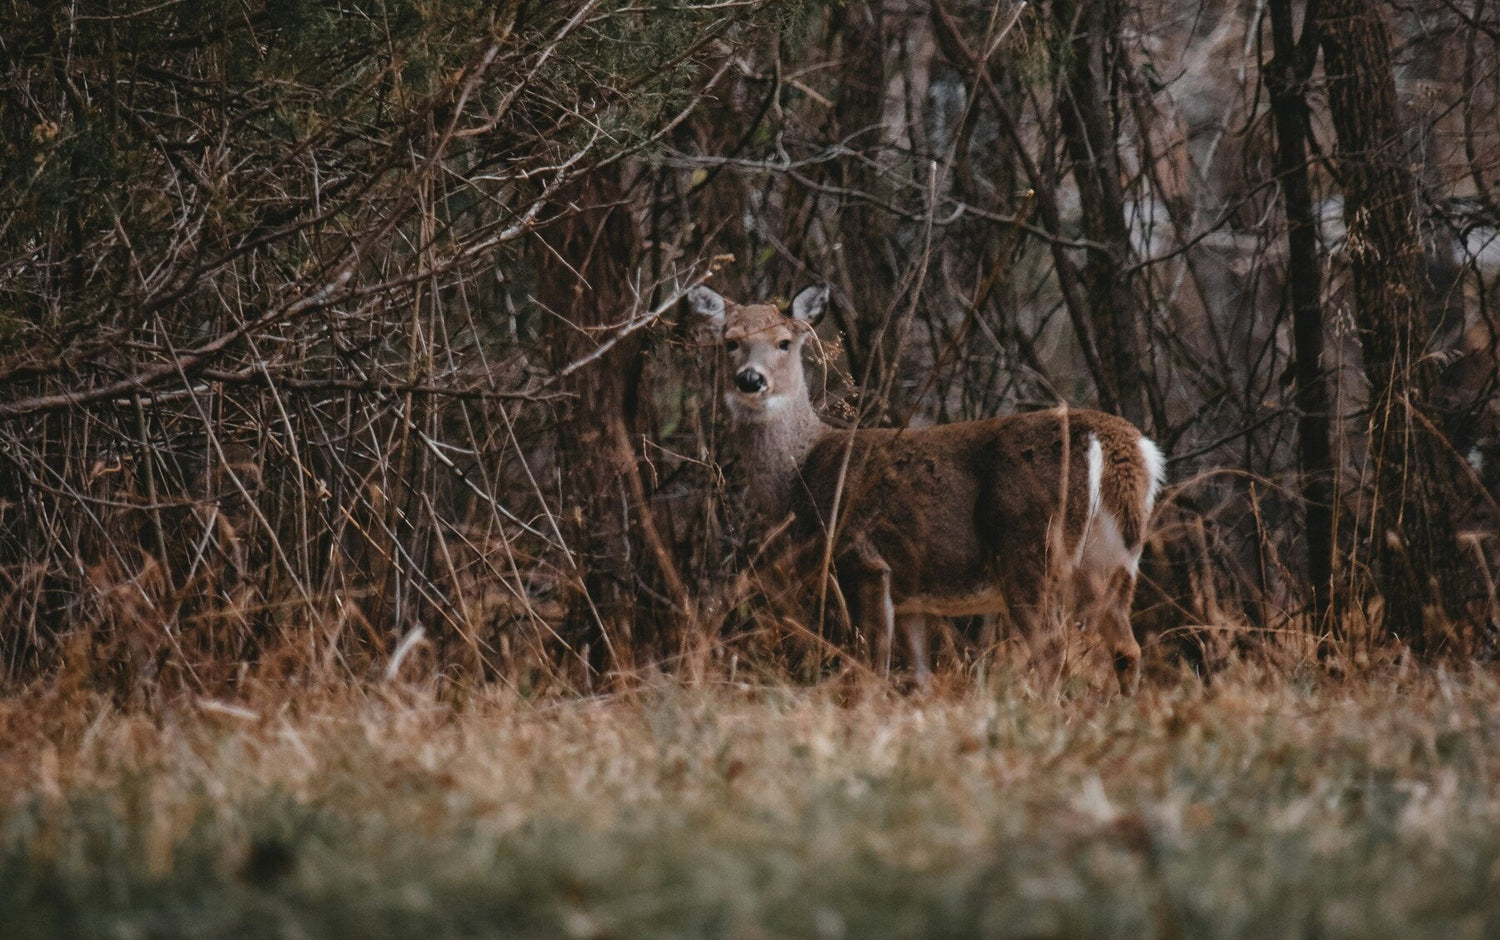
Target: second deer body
{"type": "Point", "coordinates": [981, 517]}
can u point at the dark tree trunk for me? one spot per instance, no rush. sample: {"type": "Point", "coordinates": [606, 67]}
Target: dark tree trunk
{"type": "Point", "coordinates": [1087, 118]}
{"type": "Point", "coordinates": [864, 227]}
{"type": "Point", "coordinates": [1287, 78]}
{"type": "Point", "coordinates": [1419, 572]}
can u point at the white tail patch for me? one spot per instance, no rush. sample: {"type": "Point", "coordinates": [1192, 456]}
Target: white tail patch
{"type": "Point", "coordinates": [1094, 461]}
{"type": "Point", "coordinates": [1156, 474]}
{"type": "Point", "coordinates": [1104, 551]}
{"type": "Point", "coordinates": [1096, 474]}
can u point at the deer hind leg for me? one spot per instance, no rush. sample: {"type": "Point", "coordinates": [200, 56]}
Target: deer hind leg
{"type": "Point", "coordinates": [1105, 576]}
{"type": "Point", "coordinates": [1114, 626]}
{"type": "Point", "coordinates": [914, 627]}
{"type": "Point", "coordinates": [1104, 599]}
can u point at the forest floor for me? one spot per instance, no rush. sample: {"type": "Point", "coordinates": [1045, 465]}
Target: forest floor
{"type": "Point", "coordinates": [1269, 802]}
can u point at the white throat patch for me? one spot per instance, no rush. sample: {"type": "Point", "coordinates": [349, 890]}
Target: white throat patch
{"type": "Point", "coordinates": [748, 408]}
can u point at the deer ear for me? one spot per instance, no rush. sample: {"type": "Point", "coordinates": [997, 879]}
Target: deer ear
{"type": "Point", "coordinates": [810, 304]}
{"type": "Point", "coordinates": [707, 303]}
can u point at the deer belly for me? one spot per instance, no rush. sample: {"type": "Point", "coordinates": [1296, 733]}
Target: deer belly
{"type": "Point", "coordinates": [986, 599]}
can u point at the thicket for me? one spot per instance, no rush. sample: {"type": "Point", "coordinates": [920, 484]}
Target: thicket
{"type": "Point", "coordinates": [344, 337]}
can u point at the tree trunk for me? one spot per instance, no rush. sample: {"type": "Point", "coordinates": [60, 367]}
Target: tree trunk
{"type": "Point", "coordinates": [1287, 78]}
{"type": "Point", "coordinates": [1086, 112]}
{"type": "Point", "coordinates": [864, 227]}
{"type": "Point", "coordinates": [1418, 570]}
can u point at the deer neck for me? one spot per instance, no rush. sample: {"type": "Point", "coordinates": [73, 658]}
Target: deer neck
{"type": "Point", "coordinates": [772, 447]}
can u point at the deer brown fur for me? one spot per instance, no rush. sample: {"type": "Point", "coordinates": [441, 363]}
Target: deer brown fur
{"type": "Point", "coordinates": [981, 517]}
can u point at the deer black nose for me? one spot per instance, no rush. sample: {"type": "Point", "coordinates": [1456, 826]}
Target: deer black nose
{"type": "Point", "coordinates": [749, 381]}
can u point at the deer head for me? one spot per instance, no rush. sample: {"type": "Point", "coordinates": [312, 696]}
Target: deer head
{"type": "Point", "coordinates": [764, 348]}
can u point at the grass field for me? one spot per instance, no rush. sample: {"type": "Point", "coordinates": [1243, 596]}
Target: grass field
{"type": "Point", "coordinates": [1268, 803]}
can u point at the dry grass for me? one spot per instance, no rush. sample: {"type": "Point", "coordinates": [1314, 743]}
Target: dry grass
{"type": "Point", "coordinates": [1262, 805]}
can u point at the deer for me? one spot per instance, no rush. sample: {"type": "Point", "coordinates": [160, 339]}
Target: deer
{"type": "Point", "coordinates": [990, 517]}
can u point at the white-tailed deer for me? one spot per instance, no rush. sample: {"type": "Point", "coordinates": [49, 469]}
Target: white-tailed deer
{"type": "Point", "coordinates": [983, 517]}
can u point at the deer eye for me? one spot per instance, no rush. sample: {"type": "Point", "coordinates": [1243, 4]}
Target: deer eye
{"type": "Point", "coordinates": [732, 345]}
{"type": "Point", "coordinates": [784, 344]}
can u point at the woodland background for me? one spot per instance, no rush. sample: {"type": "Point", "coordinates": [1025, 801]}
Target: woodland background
{"type": "Point", "coordinates": [342, 339]}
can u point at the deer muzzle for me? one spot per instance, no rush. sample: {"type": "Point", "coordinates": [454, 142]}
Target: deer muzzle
{"type": "Point", "coordinates": [750, 381]}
